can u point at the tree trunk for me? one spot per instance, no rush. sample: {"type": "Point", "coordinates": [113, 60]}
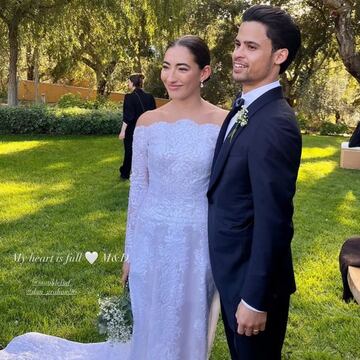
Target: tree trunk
{"type": "Point", "coordinates": [138, 64]}
{"type": "Point", "coordinates": [103, 75]}
{"type": "Point", "coordinates": [287, 87]}
{"type": "Point", "coordinates": [36, 74]}
{"type": "Point", "coordinates": [107, 73]}
{"type": "Point", "coordinates": [337, 117]}
{"type": "Point", "coordinates": [101, 85]}
{"type": "Point", "coordinates": [345, 35]}
{"type": "Point", "coordinates": [103, 78]}
{"type": "Point", "coordinates": [29, 64]}
{"type": "Point", "coordinates": [13, 35]}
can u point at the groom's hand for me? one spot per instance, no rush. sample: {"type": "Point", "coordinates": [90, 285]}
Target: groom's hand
{"type": "Point", "coordinates": [250, 322]}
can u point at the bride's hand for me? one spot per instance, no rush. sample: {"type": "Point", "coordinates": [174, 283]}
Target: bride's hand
{"type": "Point", "coordinates": [125, 272]}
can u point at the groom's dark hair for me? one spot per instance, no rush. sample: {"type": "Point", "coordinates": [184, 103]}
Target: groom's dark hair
{"type": "Point", "coordinates": [281, 29]}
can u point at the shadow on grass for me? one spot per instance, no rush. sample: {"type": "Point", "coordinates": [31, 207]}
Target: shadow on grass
{"type": "Point", "coordinates": [70, 201]}
{"type": "Point", "coordinates": [77, 204]}
{"type": "Point", "coordinates": [327, 207]}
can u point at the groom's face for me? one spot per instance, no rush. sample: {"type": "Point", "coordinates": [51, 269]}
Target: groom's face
{"type": "Point", "coordinates": [254, 62]}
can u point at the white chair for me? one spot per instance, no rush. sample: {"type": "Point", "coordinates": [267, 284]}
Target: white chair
{"type": "Point", "coordinates": [354, 282]}
{"type": "Point", "coordinates": [350, 157]}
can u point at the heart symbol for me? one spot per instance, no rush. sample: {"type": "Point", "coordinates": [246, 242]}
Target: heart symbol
{"type": "Point", "coordinates": [91, 256]}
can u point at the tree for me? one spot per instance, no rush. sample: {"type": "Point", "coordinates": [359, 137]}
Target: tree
{"type": "Point", "coordinates": [99, 46]}
{"type": "Point", "coordinates": [104, 36]}
{"type": "Point", "coordinates": [3, 60]}
{"type": "Point", "coordinates": [215, 21]}
{"type": "Point", "coordinates": [317, 47]}
{"type": "Point", "coordinates": [346, 16]}
{"type": "Point", "coordinates": [329, 96]}
{"type": "Point", "coordinates": [14, 13]}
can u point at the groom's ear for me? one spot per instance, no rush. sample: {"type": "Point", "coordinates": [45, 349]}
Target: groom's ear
{"type": "Point", "coordinates": [205, 73]}
{"type": "Point", "coordinates": [280, 56]}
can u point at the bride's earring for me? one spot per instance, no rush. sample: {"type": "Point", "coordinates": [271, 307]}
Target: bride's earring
{"type": "Point", "coordinates": [201, 84]}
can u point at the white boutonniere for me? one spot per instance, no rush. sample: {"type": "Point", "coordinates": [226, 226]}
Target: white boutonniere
{"type": "Point", "coordinates": [241, 121]}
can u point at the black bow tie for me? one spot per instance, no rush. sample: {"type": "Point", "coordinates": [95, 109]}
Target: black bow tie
{"type": "Point", "coordinates": [239, 102]}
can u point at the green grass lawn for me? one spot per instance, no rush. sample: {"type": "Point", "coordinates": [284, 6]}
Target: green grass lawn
{"type": "Point", "coordinates": [61, 197]}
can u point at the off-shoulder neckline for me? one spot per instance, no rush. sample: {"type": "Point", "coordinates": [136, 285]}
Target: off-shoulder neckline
{"type": "Point", "coordinates": [176, 122]}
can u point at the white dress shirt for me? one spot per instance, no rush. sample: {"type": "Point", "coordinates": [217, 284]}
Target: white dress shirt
{"type": "Point", "coordinates": [249, 98]}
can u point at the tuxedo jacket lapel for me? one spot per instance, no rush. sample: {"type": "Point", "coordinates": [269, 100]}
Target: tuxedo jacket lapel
{"type": "Point", "coordinates": [222, 133]}
{"type": "Point", "coordinates": [223, 148]}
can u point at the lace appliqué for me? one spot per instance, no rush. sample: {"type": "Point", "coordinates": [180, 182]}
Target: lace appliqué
{"type": "Point", "coordinates": [171, 283]}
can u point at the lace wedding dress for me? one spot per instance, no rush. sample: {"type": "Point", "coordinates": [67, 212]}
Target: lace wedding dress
{"type": "Point", "coordinates": [35, 346]}
{"type": "Point", "coordinates": [171, 285]}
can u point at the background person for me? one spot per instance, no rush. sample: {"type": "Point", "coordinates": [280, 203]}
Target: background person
{"type": "Point", "coordinates": [135, 104]}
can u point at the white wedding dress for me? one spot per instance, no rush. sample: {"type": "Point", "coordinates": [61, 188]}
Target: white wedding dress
{"type": "Point", "coordinates": [171, 285]}
{"type": "Point", "coordinates": [35, 346]}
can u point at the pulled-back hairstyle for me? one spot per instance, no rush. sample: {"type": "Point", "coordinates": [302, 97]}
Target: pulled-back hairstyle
{"type": "Point", "coordinates": [281, 29]}
{"type": "Point", "coordinates": [137, 80]}
{"type": "Point", "coordinates": [197, 46]}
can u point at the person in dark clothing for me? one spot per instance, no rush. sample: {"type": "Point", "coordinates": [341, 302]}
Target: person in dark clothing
{"type": "Point", "coordinates": [135, 104]}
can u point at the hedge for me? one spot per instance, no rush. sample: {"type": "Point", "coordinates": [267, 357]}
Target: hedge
{"type": "Point", "coordinates": [47, 120]}
{"type": "Point", "coordinates": [70, 100]}
{"type": "Point", "coordinates": [321, 127]}
{"type": "Point", "coordinates": [328, 128]}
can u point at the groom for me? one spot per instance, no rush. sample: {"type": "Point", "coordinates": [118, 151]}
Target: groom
{"type": "Point", "coordinates": [251, 189]}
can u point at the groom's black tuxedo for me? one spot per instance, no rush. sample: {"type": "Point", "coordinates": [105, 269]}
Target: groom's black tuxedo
{"type": "Point", "coordinates": [250, 194]}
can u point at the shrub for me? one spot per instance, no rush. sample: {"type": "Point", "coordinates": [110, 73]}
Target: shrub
{"type": "Point", "coordinates": [101, 103]}
{"type": "Point", "coordinates": [3, 94]}
{"type": "Point", "coordinates": [303, 122]}
{"type": "Point", "coordinates": [85, 121]}
{"type": "Point", "coordinates": [20, 120]}
{"type": "Point", "coordinates": [308, 125]}
{"type": "Point", "coordinates": [70, 100]}
{"type": "Point", "coordinates": [328, 128]}
{"type": "Point", "coordinates": [74, 100]}
{"type": "Point", "coordinates": [46, 120]}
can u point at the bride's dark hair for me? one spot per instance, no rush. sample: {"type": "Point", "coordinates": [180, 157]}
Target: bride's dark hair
{"type": "Point", "coordinates": [197, 46]}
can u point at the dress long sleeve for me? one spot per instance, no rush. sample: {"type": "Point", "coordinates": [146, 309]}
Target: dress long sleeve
{"type": "Point", "coordinates": [139, 181]}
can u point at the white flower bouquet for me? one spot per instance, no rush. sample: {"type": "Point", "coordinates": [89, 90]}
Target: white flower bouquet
{"type": "Point", "coordinates": [115, 317]}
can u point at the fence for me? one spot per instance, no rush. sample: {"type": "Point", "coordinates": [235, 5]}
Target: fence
{"type": "Point", "coordinates": [51, 93]}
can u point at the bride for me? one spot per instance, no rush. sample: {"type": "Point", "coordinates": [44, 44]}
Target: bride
{"type": "Point", "coordinates": [171, 285]}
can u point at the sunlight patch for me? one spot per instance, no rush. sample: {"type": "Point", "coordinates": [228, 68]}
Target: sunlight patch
{"type": "Point", "coordinates": [315, 273]}
{"type": "Point", "coordinates": [316, 152]}
{"type": "Point", "coordinates": [347, 210]}
{"type": "Point", "coordinates": [22, 199]}
{"type": "Point", "coordinates": [95, 215]}
{"type": "Point", "coordinates": [314, 171]}
{"type": "Point", "coordinates": [22, 206]}
{"type": "Point", "coordinates": [17, 146]}
{"type": "Point", "coordinates": [61, 186]}
{"type": "Point", "coordinates": [59, 165]}
{"type": "Point", "coordinates": [109, 159]}
{"type": "Point", "coordinates": [9, 188]}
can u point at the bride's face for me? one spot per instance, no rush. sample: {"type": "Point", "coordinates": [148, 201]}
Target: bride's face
{"type": "Point", "coordinates": [180, 73]}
